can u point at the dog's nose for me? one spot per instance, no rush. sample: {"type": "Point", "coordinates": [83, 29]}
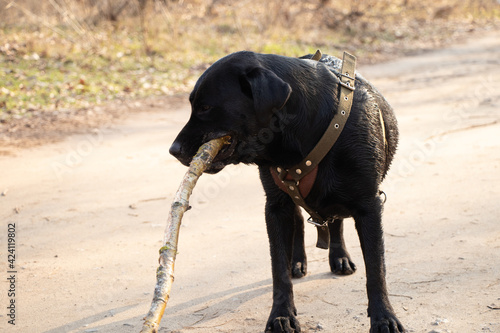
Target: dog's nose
{"type": "Point", "coordinates": [175, 149]}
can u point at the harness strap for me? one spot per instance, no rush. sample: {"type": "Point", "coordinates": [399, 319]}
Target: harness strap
{"type": "Point", "coordinates": [382, 124]}
{"type": "Point", "coordinates": [292, 177]}
{"type": "Point", "coordinates": [305, 185]}
{"type": "Point", "coordinates": [337, 124]}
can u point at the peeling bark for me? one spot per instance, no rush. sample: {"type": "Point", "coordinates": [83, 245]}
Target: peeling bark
{"type": "Point", "coordinates": [165, 272]}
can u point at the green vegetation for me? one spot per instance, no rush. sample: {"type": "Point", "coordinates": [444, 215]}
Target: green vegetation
{"type": "Point", "coordinates": [66, 54]}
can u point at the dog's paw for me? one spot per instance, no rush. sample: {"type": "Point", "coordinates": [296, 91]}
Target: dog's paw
{"type": "Point", "coordinates": [386, 323]}
{"type": "Point", "coordinates": [340, 262]}
{"type": "Point", "coordinates": [299, 269]}
{"type": "Point", "coordinates": [283, 320]}
{"type": "Point", "coordinates": [288, 324]}
{"type": "Point", "coordinates": [342, 266]}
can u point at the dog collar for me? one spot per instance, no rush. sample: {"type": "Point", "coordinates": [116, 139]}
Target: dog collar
{"type": "Point", "coordinates": [298, 180]}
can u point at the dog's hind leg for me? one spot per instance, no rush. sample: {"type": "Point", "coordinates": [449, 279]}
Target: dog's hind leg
{"type": "Point", "coordinates": [368, 220]}
{"type": "Point", "coordinates": [299, 260]}
{"type": "Point", "coordinates": [340, 261]}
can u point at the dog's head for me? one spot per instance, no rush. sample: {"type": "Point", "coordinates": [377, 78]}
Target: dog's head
{"type": "Point", "coordinates": [236, 96]}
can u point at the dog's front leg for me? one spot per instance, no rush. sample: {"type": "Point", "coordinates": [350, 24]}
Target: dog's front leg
{"type": "Point", "coordinates": [280, 229]}
{"type": "Point", "coordinates": [369, 226]}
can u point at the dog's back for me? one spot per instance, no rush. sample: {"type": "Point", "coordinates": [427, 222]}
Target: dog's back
{"type": "Point", "coordinates": [378, 105]}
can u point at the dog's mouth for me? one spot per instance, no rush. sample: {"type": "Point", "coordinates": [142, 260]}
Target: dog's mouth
{"type": "Point", "coordinates": [223, 157]}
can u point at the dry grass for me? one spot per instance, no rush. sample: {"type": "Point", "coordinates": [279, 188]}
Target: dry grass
{"type": "Point", "coordinates": [62, 54]}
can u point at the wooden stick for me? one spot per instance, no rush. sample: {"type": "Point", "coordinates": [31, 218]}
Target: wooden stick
{"type": "Point", "coordinates": [165, 272]}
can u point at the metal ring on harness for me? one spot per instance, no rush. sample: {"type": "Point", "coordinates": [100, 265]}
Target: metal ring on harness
{"type": "Point", "coordinates": [385, 196]}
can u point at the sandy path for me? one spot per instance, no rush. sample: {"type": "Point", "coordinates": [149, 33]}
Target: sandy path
{"type": "Point", "coordinates": [90, 211]}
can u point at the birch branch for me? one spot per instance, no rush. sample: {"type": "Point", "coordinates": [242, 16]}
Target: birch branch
{"type": "Point", "coordinates": [165, 272]}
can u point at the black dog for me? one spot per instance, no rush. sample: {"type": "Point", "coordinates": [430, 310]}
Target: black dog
{"type": "Point", "coordinates": [276, 109]}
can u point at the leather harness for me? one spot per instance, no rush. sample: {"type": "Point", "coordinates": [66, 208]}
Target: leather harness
{"type": "Point", "coordinates": [298, 180]}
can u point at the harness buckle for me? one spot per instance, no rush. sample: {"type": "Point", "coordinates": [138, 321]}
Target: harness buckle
{"type": "Point", "coordinates": [316, 223]}
{"type": "Point", "coordinates": [346, 85]}
{"type": "Point", "coordinates": [347, 76]}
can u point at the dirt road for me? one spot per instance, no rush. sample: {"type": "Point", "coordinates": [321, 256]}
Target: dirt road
{"type": "Point", "coordinates": [89, 216]}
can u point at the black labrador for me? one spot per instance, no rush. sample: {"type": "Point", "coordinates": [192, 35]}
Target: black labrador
{"type": "Point", "coordinates": [275, 109]}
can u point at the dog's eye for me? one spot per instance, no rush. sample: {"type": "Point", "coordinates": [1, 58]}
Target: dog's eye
{"type": "Point", "coordinates": [205, 108]}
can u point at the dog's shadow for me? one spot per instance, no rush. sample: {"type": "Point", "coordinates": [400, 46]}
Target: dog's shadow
{"type": "Point", "coordinates": [220, 303]}
{"type": "Point", "coordinates": [206, 308]}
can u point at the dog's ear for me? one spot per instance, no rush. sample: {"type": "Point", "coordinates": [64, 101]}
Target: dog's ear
{"type": "Point", "coordinates": [268, 91]}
